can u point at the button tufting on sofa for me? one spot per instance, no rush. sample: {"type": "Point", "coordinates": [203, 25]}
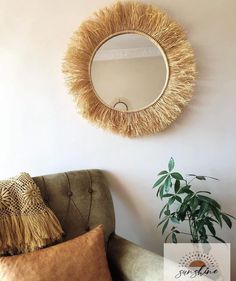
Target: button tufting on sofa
{"type": "Point", "coordinates": [70, 193]}
{"type": "Point", "coordinates": [71, 199]}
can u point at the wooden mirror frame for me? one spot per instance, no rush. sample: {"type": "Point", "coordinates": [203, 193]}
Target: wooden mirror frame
{"type": "Point", "coordinates": [131, 17]}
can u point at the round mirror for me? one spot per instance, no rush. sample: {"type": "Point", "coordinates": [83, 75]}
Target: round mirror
{"type": "Point", "coordinates": [130, 75]}
{"type": "Point", "coordinates": [129, 72]}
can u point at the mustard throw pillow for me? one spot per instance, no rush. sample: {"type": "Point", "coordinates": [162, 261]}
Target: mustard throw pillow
{"type": "Point", "coordinates": [80, 259]}
{"type": "Point", "coordinates": [26, 223]}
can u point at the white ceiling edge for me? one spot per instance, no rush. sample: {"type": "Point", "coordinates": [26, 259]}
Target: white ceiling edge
{"type": "Point", "coordinates": [131, 53]}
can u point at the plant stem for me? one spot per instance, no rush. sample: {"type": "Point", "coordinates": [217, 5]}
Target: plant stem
{"type": "Point", "coordinates": [196, 240]}
{"type": "Point", "coordinates": [185, 233]}
{"type": "Point", "coordinates": [191, 180]}
{"type": "Point", "coordinates": [190, 227]}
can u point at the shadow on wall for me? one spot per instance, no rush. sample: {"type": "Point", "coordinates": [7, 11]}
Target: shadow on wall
{"type": "Point", "coordinates": [120, 193]}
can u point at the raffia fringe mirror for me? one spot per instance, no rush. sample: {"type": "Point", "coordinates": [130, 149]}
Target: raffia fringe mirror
{"type": "Point", "coordinates": [130, 69]}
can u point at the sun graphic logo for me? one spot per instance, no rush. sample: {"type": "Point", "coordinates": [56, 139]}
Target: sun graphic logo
{"type": "Point", "coordinates": [198, 259]}
{"type": "Point", "coordinates": [198, 264]}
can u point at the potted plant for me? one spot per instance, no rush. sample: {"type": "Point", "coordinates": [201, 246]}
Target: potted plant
{"type": "Point", "coordinates": [201, 212]}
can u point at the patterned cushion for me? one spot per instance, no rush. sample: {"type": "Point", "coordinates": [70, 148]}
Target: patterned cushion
{"type": "Point", "coordinates": [26, 223]}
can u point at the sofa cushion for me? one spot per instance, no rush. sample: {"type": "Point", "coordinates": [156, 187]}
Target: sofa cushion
{"type": "Point", "coordinates": [82, 258]}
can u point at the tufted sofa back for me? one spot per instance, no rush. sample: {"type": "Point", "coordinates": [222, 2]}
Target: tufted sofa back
{"type": "Point", "coordinates": [80, 199]}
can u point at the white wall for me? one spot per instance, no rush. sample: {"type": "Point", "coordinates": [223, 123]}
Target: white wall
{"type": "Point", "coordinates": [41, 132]}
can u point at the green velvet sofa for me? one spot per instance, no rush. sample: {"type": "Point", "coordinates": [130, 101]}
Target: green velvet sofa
{"type": "Point", "coordinates": [82, 200]}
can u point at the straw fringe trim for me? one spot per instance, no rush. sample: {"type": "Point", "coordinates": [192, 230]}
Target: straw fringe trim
{"type": "Point", "coordinates": [143, 18]}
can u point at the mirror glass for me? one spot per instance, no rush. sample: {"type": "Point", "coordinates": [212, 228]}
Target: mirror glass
{"type": "Point", "coordinates": [129, 72]}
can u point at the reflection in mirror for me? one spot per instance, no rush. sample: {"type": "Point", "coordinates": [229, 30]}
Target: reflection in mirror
{"type": "Point", "coordinates": [131, 69]}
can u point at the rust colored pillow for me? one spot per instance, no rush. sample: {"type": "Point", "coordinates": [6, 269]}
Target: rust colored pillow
{"type": "Point", "coordinates": [80, 259]}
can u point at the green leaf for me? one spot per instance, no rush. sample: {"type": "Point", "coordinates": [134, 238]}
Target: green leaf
{"type": "Point", "coordinates": [182, 211]}
{"type": "Point", "coordinates": [171, 200]}
{"type": "Point", "coordinates": [194, 203]}
{"type": "Point", "coordinates": [210, 201]}
{"type": "Point", "coordinates": [177, 176]}
{"type": "Point", "coordinates": [162, 173]}
{"type": "Point", "coordinates": [217, 214]}
{"type": "Point", "coordinates": [160, 223]}
{"type": "Point", "coordinates": [201, 178]}
{"type": "Point", "coordinates": [167, 212]}
{"type": "Point", "coordinates": [179, 199]}
{"type": "Point", "coordinates": [188, 198]}
{"type": "Point", "coordinates": [162, 210]}
{"type": "Point", "coordinates": [164, 227]}
{"type": "Point", "coordinates": [158, 191]}
{"type": "Point", "coordinates": [177, 186]}
{"type": "Point", "coordinates": [211, 227]}
{"type": "Point", "coordinates": [212, 178]}
{"type": "Point", "coordinates": [168, 195]}
{"type": "Point", "coordinates": [162, 191]}
{"type": "Point", "coordinates": [174, 220]}
{"type": "Point", "coordinates": [185, 189]}
{"type": "Point", "coordinates": [211, 219]}
{"type": "Point", "coordinates": [208, 192]}
{"type": "Point", "coordinates": [230, 216]}
{"type": "Point", "coordinates": [203, 235]}
{"type": "Point", "coordinates": [174, 239]}
{"type": "Point", "coordinates": [200, 224]}
{"type": "Point", "coordinates": [191, 175]}
{"type": "Point", "coordinates": [204, 209]}
{"type": "Point", "coordinates": [202, 230]}
{"type": "Point", "coordinates": [227, 220]}
{"type": "Point", "coordinates": [171, 164]}
{"type": "Point", "coordinates": [167, 183]}
{"type": "Point", "coordinates": [219, 239]}
{"type": "Point", "coordinates": [159, 181]}
{"type": "Point", "coordinates": [168, 236]}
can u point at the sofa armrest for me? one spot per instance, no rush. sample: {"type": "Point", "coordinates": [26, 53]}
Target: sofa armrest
{"type": "Point", "coordinates": [129, 262]}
